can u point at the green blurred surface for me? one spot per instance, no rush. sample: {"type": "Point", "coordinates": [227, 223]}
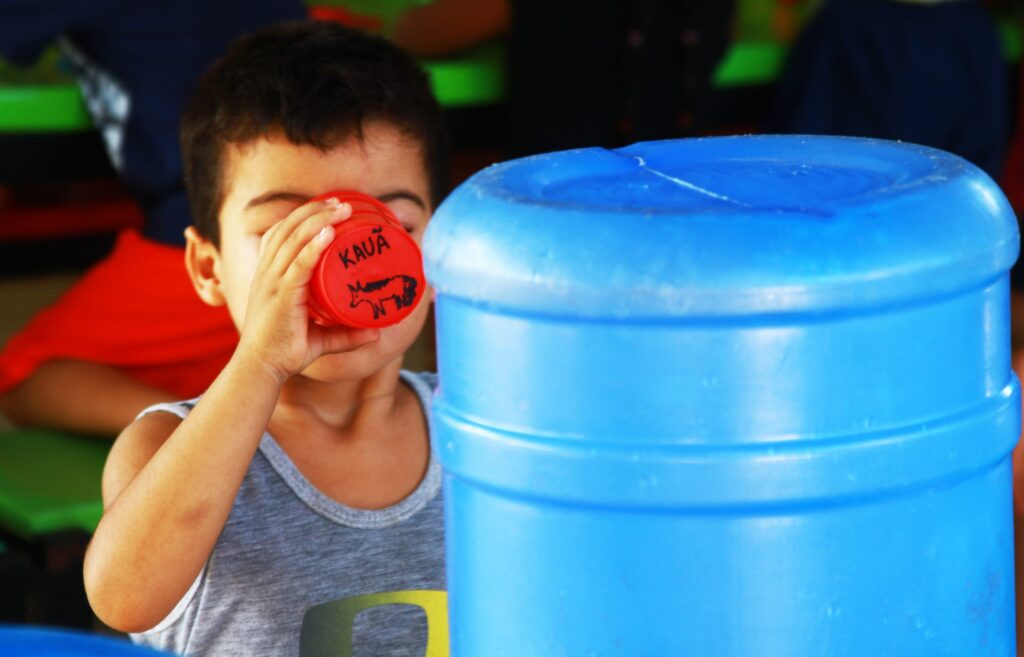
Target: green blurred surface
{"type": "Point", "coordinates": [1010, 32]}
{"type": "Point", "coordinates": [757, 59]}
{"type": "Point", "coordinates": [43, 108]}
{"type": "Point", "coordinates": [476, 78]}
{"type": "Point", "coordinates": [51, 102]}
{"type": "Point", "coordinates": [44, 98]}
{"type": "Point", "coordinates": [50, 481]}
{"type": "Point", "coordinates": [751, 62]}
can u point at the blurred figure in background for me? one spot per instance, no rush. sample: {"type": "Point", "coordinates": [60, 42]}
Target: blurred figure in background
{"type": "Point", "coordinates": [930, 72]}
{"type": "Point", "coordinates": [131, 332]}
{"type": "Point", "coordinates": [610, 72]}
{"type": "Point", "coordinates": [586, 72]}
{"type": "Point", "coordinates": [446, 27]}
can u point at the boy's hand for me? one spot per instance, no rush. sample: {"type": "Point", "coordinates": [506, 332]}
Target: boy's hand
{"type": "Point", "coordinates": [277, 329]}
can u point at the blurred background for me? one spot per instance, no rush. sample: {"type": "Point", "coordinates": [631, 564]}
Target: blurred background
{"type": "Point", "coordinates": [514, 78]}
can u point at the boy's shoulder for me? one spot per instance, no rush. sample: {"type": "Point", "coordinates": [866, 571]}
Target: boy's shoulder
{"type": "Point", "coordinates": [423, 383]}
{"type": "Point", "coordinates": [178, 408]}
{"type": "Point", "coordinates": [415, 379]}
{"type": "Point", "coordinates": [138, 443]}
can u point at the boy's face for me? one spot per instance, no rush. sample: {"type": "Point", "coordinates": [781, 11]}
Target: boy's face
{"type": "Point", "coordinates": [268, 178]}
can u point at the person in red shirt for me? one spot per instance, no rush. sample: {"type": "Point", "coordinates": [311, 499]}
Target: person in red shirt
{"type": "Point", "coordinates": [131, 332]}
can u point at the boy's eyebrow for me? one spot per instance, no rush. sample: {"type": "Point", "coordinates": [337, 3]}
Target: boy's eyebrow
{"type": "Point", "coordinates": [403, 194]}
{"type": "Point", "coordinates": [271, 196]}
{"type": "Point", "coordinates": [275, 195]}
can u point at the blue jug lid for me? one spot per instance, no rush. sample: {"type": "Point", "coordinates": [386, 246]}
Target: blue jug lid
{"type": "Point", "coordinates": [721, 226]}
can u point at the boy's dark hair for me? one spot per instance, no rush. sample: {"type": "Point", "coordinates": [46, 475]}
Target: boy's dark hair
{"type": "Point", "coordinates": [318, 83]}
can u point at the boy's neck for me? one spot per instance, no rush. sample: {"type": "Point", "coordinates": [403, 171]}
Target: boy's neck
{"type": "Point", "coordinates": [345, 408]}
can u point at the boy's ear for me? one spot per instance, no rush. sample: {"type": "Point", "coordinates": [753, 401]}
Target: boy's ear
{"type": "Point", "coordinates": [202, 260]}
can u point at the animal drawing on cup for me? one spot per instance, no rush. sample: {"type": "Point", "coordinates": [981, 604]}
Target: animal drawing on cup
{"type": "Point", "coordinates": [401, 289]}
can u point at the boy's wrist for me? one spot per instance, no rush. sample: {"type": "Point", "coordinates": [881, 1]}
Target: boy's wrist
{"type": "Point", "coordinates": [254, 370]}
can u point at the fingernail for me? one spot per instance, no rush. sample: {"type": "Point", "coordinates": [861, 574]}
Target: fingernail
{"type": "Point", "coordinates": [341, 208]}
{"type": "Point", "coordinates": [324, 234]}
{"type": "Point", "coordinates": [333, 202]}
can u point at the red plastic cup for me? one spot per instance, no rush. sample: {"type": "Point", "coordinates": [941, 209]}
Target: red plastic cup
{"type": "Point", "coordinates": [371, 275]}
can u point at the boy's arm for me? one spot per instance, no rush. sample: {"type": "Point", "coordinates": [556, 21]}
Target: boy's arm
{"type": "Point", "coordinates": [168, 486]}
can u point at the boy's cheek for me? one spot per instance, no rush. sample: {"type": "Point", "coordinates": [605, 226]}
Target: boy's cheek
{"type": "Point", "coordinates": [241, 261]}
{"type": "Point", "coordinates": [409, 328]}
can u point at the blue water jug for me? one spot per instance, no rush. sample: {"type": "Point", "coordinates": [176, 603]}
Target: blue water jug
{"type": "Point", "coordinates": [32, 641]}
{"type": "Point", "coordinates": [727, 397]}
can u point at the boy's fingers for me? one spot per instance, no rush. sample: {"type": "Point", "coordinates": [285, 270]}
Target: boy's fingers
{"type": "Point", "coordinates": [283, 231]}
{"type": "Point", "coordinates": [304, 236]}
{"type": "Point", "coordinates": [305, 231]}
{"type": "Point", "coordinates": [272, 239]}
{"type": "Point", "coordinates": [300, 269]}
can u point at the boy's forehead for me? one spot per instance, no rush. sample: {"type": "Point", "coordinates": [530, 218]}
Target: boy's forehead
{"type": "Point", "coordinates": [381, 161]}
{"type": "Point", "coordinates": [379, 148]}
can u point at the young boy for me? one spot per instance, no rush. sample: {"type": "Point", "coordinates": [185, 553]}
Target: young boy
{"type": "Point", "coordinates": [263, 516]}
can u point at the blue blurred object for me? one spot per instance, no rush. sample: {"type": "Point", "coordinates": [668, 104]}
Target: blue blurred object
{"type": "Point", "coordinates": [25, 641]}
{"type": "Point", "coordinates": [740, 396]}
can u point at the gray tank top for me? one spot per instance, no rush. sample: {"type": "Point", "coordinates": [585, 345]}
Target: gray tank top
{"type": "Point", "coordinates": [294, 573]}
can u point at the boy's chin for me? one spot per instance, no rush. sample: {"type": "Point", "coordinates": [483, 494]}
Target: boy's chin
{"type": "Point", "coordinates": [350, 366]}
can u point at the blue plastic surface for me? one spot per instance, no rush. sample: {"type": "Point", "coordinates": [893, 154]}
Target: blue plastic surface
{"type": "Point", "coordinates": [739, 396]}
{"type": "Point", "coordinates": [26, 641]}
